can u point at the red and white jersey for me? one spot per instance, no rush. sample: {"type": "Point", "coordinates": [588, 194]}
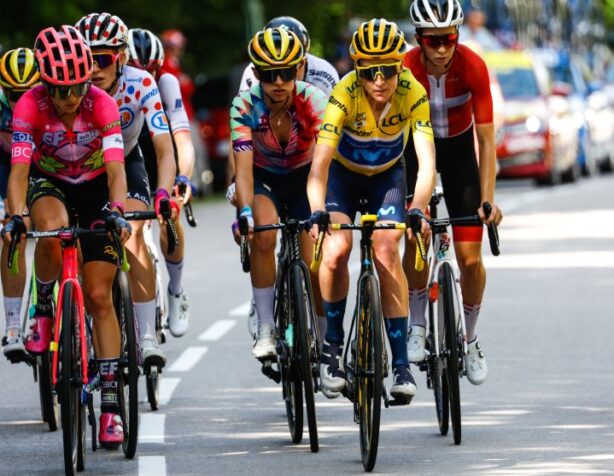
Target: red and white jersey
{"type": "Point", "coordinates": [174, 106]}
{"type": "Point", "coordinates": [458, 96]}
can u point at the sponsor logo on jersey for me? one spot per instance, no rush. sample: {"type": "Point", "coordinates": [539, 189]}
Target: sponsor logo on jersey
{"type": "Point", "coordinates": [22, 137]}
{"type": "Point", "coordinates": [111, 251]}
{"type": "Point", "coordinates": [126, 117]}
{"type": "Point", "coordinates": [384, 212]}
{"type": "Point", "coordinates": [328, 127]}
{"type": "Point", "coordinates": [178, 104]}
{"type": "Point", "coordinates": [351, 89]}
{"type": "Point", "coordinates": [419, 102]}
{"type": "Point", "coordinates": [111, 125]}
{"type": "Point", "coordinates": [335, 102]}
{"type": "Point", "coordinates": [53, 138]}
{"type": "Point", "coordinates": [19, 122]}
{"type": "Point", "coordinates": [86, 137]}
{"type": "Point", "coordinates": [149, 95]}
{"type": "Point", "coordinates": [19, 152]}
{"type": "Point", "coordinates": [159, 121]}
{"type": "Point", "coordinates": [393, 120]}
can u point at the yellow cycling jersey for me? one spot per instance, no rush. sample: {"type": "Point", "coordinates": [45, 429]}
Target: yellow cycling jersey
{"type": "Point", "coordinates": [364, 145]}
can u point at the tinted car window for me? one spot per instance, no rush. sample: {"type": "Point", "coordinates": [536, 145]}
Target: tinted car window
{"type": "Point", "coordinates": [518, 83]}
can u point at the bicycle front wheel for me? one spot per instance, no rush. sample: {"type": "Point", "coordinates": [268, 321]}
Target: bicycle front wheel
{"type": "Point", "coordinates": [301, 302]}
{"type": "Point", "coordinates": [49, 399]}
{"type": "Point", "coordinates": [369, 370]}
{"type": "Point", "coordinates": [437, 375]}
{"type": "Point", "coordinates": [451, 346]}
{"type": "Point", "coordinates": [128, 378]}
{"type": "Point", "coordinates": [70, 382]}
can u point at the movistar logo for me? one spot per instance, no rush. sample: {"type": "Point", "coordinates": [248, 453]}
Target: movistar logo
{"type": "Point", "coordinates": [395, 334]}
{"type": "Point", "coordinates": [332, 315]}
{"type": "Point", "coordinates": [386, 211]}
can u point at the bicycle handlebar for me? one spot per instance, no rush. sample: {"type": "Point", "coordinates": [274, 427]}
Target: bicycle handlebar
{"type": "Point", "coordinates": [171, 231]}
{"type": "Point", "coordinates": [187, 207]}
{"type": "Point", "coordinates": [493, 232]}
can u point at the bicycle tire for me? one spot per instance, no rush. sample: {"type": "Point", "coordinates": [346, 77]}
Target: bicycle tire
{"type": "Point", "coordinates": [48, 398]}
{"type": "Point", "coordinates": [70, 392]}
{"type": "Point", "coordinates": [153, 377]}
{"type": "Point", "coordinates": [128, 378]}
{"type": "Point", "coordinates": [301, 301]}
{"type": "Point", "coordinates": [290, 375]}
{"type": "Point", "coordinates": [438, 377]}
{"type": "Point", "coordinates": [369, 375]}
{"type": "Point", "coordinates": [452, 354]}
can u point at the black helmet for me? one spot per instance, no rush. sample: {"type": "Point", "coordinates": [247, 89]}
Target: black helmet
{"type": "Point", "coordinates": [294, 25]}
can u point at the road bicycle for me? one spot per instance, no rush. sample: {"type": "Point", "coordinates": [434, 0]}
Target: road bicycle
{"type": "Point", "coordinates": [446, 340]}
{"type": "Point", "coordinates": [71, 363]}
{"type": "Point", "coordinates": [296, 365]}
{"type": "Point", "coordinates": [366, 364]}
{"type": "Point", "coordinates": [152, 373]}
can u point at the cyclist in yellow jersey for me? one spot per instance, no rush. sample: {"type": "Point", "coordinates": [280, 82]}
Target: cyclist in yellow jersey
{"type": "Point", "coordinates": [369, 117]}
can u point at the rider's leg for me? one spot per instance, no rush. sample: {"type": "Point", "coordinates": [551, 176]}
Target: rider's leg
{"type": "Point", "coordinates": [48, 213]}
{"type": "Point", "coordinates": [12, 289]}
{"type": "Point", "coordinates": [472, 281]}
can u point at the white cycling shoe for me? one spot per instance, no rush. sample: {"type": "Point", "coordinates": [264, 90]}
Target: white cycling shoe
{"type": "Point", "coordinates": [475, 363]}
{"type": "Point", "coordinates": [415, 344]}
{"type": "Point", "coordinates": [265, 343]}
{"type": "Point", "coordinates": [151, 353]}
{"type": "Point", "coordinates": [12, 343]}
{"type": "Point", "coordinates": [178, 314]}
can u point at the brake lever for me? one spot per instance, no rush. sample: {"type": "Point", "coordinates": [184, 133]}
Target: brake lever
{"type": "Point", "coordinates": [173, 238]}
{"type": "Point", "coordinates": [189, 213]}
{"type": "Point", "coordinates": [493, 232]}
{"type": "Point", "coordinates": [244, 230]}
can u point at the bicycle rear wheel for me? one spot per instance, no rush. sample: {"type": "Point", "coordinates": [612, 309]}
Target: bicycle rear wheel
{"type": "Point", "coordinates": [369, 375]}
{"type": "Point", "coordinates": [48, 398]}
{"type": "Point", "coordinates": [451, 346]}
{"type": "Point", "coordinates": [70, 383]}
{"type": "Point", "coordinates": [301, 301]}
{"type": "Point", "coordinates": [128, 378]}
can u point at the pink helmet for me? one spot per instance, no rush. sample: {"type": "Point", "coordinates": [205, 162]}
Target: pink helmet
{"type": "Point", "coordinates": [63, 56]}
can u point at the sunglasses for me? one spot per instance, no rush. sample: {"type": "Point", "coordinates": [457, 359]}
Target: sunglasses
{"type": "Point", "coordinates": [104, 60]}
{"type": "Point", "coordinates": [270, 75]}
{"type": "Point", "coordinates": [386, 71]}
{"type": "Point", "coordinates": [435, 41]}
{"type": "Point", "coordinates": [13, 95]}
{"type": "Point", "coordinates": [63, 92]}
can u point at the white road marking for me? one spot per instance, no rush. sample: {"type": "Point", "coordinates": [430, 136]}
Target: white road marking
{"type": "Point", "coordinates": [240, 311]}
{"type": "Point", "coordinates": [152, 466]}
{"type": "Point", "coordinates": [188, 359]}
{"type": "Point", "coordinates": [167, 387]}
{"type": "Point", "coordinates": [564, 260]}
{"type": "Point", "coordinates": [217, 330]}
{"type": "Point", "coordinates": [151, 428]}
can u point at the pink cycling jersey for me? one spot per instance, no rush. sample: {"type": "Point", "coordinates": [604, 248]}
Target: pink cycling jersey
{"type": "Point", "coordinates": [74, 156]}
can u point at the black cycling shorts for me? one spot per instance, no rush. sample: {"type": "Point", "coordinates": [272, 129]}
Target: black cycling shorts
{"type": "Point", "coordinates": [460, 178]}
{"type": "Point", "coordinates": [136, 176]}
{"type": "Point", "coordinates": [289, 190]}
{"type": "Point", "coordinates": [87, 201]}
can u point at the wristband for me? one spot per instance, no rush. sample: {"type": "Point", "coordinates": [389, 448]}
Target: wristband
{"type": "Point", "coordinates": [246, 211]}
{"type": "Point", "coordinates": [120, 206]}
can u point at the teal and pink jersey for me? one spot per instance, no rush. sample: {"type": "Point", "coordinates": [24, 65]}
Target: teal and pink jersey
{"type": "Point", "coordinates": [251, 128]}
{"type": "Point", "coordinates": [74, 156]}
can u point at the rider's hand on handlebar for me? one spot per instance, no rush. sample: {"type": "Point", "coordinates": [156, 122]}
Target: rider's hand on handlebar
{"type": "Point", "coordinates": [318, 219]}
{"type": "Point", "coordinates": [183, 183]}
{"type": "Point", "coordinates": [425, 228]}
{"type": "Point", "coordinates": [496, 215]}
{"type": "Point", "coordinates": [246, 212]}
{"type": "Point", "coordinates": [115, 222]}
{"type": "Point", "coordinates": [14, 228]}
{"type": "Point", "coordinates": [160, 196]}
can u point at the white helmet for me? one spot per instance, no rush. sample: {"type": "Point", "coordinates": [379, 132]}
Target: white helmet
{"type": "Point", "coordinates": [145, 49]}
{"type": "Point", "coordinates": [436, 13]}
{"type": "Point", "coordinates": [103, 30]}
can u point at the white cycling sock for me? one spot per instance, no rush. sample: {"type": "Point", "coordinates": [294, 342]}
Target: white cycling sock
{"type": "Point", "coordinates": [146, 317]}
{"type": "Point", "coordinates": [175, 272]}
{"type": "Point", "coordinates": [417, 307]}
{"type": "Point", "coordinates": [471, 319]}
{"type": "Point", "coordinates": [265, 301]}
{"type": "Point", "coordinates": [12, 309]}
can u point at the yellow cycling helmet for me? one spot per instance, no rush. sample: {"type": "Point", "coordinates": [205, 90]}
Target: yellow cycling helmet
{"type": "Point", "coordinates": [378, 39]}
{"type": "Point", "coordinates": [18, 69]}
{"type": "Point", "coordinates": [275, 47]}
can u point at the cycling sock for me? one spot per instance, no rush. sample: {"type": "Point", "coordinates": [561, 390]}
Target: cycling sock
{"type": "Point", "coordinates": [108, 384]}
{"type": "Point", "coordinates": [396, 328]}
{"type": "Point", "coordinates": [175, 272]}
{"type": "Point", "coordinates": [12, 309]}
{"type": "Point", "coordinates": [265, 300]}
{"type": "Point", "coordinates": [44, 293]}
{"type": "Point", "coordinates": [471, 319]}
{"type": "Point", "coordinates": [417, 307]}
{"type": "Point", "coordinates": [334, 312]}
{"type": "Point", "coordinates": [146, 317]}
{"type": "Point", "coordinates": [322, 324]}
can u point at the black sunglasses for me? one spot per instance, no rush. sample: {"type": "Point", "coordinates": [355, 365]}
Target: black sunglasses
{"type": "Point", "coordinates": [270, 75]}
{"type": "Point", "coordinates": [370, 73]}
{"type": "Point", "coordinates": [62, 92]}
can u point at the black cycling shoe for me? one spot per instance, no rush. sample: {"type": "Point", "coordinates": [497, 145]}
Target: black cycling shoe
{"type": "Point", "coordinates": [404, 386]}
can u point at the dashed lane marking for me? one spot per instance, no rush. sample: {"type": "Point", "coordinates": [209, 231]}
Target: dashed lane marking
{"type": "Point", "coordinates": [217, 330]}
{"type": "Point", "coordinates": [188, 359]}
{"type": "Point", "coordinates": [152, 466]}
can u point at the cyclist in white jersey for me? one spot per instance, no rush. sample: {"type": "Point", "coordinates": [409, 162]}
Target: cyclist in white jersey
{"type": "Point", "coordinates": [146, 53]}
{"type": "Point", "coordinates": [138, 98]}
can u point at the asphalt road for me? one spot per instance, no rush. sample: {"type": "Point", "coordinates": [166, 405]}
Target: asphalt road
{"type": "Point", "coordinates": [547, 407]}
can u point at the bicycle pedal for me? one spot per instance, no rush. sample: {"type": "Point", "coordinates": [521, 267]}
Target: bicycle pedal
{"type": "Point", "coordinates": [400, 401]}
{"type": "Point", "coordinates": [18, 356]}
